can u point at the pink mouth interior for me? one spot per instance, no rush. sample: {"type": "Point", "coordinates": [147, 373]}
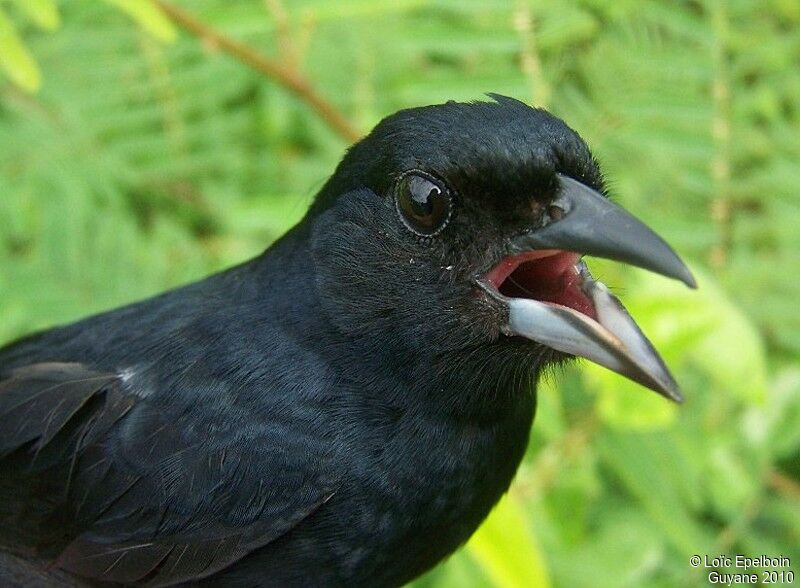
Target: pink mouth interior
{"type": "Point", "coordinates": [546, 276]}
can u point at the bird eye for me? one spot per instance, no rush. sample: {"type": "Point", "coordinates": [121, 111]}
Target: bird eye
{"type": "Point", "coordinates": [423, 204]}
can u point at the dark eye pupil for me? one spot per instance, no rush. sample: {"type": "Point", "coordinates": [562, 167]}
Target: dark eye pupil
{"type": "Point", "coordinates": [423, 205]}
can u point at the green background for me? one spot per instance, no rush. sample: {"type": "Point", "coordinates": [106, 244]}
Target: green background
{"type": "Point", "coordinates": [135, 157]}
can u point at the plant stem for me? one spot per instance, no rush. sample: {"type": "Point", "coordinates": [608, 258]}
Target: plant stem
{"type": "Point", "coordinates": [721, 205]}
{"type": "Point", "coordinates": [287, 49]}
{"type": "Point", "coordinates": [525, 25]}
{"type": "Point", "coordinates": [285, 76]}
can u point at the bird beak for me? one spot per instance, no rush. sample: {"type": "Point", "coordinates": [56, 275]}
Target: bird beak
{"type": "Point", "coordinates": [552, 298]}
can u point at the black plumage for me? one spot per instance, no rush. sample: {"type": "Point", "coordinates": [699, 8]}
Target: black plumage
{"type": "Point", "coordinates": [344, 409]}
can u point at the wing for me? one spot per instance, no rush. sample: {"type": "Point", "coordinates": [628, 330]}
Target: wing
{"type": "Point", "coordinates": [119, 486]}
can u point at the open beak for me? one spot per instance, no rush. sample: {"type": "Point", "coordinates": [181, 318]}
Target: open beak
{"type": "Point", "coordinates": [553, 299]}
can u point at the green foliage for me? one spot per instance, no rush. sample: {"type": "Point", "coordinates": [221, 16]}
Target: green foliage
{"type": "Point", "coordinates": [129, 165]}
{"type": "Point", "coordinates": [22, 68]}
{"type": "Point", "coordinates": [149, 17]}
{"type": "Point", "coordinates": [43, 13]}
{"type": "Point", "coordinates": [15, 59]}
{"type": "Point", "coordinates": [507, 550]}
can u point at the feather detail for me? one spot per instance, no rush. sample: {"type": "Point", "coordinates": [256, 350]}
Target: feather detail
{"type": "Point", "coordinates": [38, 402]}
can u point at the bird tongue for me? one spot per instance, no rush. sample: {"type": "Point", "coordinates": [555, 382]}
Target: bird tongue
{"type": "Point", "coordinates": [606, 335]}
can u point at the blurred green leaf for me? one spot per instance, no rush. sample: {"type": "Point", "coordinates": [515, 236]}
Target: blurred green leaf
{"type": "Point", "coordinates": [729, 482]}
{"type": "Point", "coordinates": [625, 404]}
{"type": "Point", "coordinates": [648, 465]}
{"type": "Point", "coordinates": [44, 13]}
{"type": "Point", "coordinates": [776, 423]}
{"type": "Point", "coordinates": [624, 551]}
{"type": "Point", "coordinates": [507, 550]}
{"type": "Point", "coordinates": [15, 59]}
{"type": "Point", "coordinates": [148, 16]}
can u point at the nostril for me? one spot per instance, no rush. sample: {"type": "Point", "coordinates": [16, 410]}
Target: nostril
{"type": "Point", "coordinates": [555, 212]}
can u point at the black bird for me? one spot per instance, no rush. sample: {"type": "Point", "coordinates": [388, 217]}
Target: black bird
{"type": "Point", "coordinates": [345, 409]}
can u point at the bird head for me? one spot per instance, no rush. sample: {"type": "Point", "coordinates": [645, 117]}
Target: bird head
{"type": "Point", "coordinates": [462, 226]}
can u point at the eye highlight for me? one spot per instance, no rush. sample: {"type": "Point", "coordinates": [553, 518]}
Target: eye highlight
{"type": "Point", "coordinates": [423, 203]}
